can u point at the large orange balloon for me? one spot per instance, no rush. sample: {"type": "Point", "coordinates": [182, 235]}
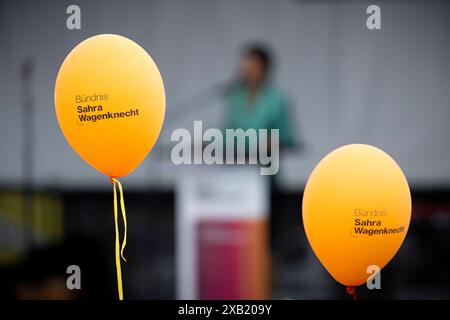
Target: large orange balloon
{"type": "Point", "coordinates": [110, 103]}
{"type": "Point", "coordinates": [356, 211]}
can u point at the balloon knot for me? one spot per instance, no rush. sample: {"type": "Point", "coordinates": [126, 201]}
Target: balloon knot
{"type": "Point", "coordinates": [352, 291]}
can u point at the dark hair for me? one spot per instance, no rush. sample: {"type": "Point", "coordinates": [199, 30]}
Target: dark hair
{"type": "Point", "coordinates": [262, 53]}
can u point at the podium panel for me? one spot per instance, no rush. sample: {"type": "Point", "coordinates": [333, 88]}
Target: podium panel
{"type": "Point", "coordinates": [222, 233]}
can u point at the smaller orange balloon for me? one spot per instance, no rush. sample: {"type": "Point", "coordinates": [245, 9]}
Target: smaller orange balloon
{"type": "Point", "coordinates": [356, 211]}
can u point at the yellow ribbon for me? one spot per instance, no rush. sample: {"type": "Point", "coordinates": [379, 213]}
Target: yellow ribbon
{"type": "Point", "coordinates": [118, 250]}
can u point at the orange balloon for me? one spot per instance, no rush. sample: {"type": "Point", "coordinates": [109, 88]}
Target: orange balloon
{"type": "Point", "coordinates": [356, 211]}
{"type": "Point", "coordinates": [110, 103]}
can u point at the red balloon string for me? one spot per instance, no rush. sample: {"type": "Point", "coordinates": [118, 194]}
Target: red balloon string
{"type": "Point", "coordinates": [352, 291]}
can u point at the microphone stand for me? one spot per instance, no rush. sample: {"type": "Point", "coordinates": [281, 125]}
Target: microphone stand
{"type": "Point", "coordinates": [28, 110]}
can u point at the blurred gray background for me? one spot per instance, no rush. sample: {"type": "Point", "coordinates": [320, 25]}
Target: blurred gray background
{"type": "Point", "coordinates": [346, 84]}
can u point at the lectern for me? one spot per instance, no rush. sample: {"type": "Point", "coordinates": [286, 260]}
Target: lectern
{"type": "Point", "coordinates": [222, 245]}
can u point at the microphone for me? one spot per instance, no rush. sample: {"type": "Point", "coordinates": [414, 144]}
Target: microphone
{"type": "Point", "coordinates": [196, 102]}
